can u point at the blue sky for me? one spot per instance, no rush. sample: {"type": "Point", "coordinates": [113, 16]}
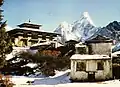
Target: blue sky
{"type": "Point", "coordinates": [50, 13]}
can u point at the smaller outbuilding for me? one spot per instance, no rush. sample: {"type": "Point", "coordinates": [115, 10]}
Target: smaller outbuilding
{"type": "Point", "coordinates": [81, 48]}
{"type": "Point", "coordinates": [90, 67]}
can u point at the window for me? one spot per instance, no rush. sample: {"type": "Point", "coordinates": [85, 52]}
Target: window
{"type": "Point", "coordinates": [81, 66]}
{"type": "Point", "coordinates": [50, 37]}
{"type": "Point", "coordinates": [25, 34]}
{"type": "Point", "coordinates": [34, 35]}
{"type": "Point", "coordinates": [44, 37]}
{"type": "Point", "coordinates": [81, 50]}
{"type": "Point", "coordinates": [100, 65]}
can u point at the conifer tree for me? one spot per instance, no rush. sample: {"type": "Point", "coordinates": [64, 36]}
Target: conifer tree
{"type": "Point", "coordinates": [5, 41]}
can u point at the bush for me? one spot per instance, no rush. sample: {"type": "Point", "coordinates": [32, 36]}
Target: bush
{"type": "Point", "coordinates": [5, 81]}
{"type": "Point", "coordinates": [47, 64]}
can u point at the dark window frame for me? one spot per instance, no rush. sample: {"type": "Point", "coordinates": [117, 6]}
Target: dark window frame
{"type": "Point", "coordinates": [100, 65]}
{"type": "Point", "coordinates": [81, 66]}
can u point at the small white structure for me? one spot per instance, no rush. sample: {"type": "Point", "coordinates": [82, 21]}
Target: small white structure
{"type": "Point", "coordinates": [81, 48]}
{"type": "Point", "coordinates": [90, 67]}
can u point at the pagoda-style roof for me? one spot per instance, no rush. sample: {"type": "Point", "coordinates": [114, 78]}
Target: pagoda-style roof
{"type": "Point", "coordinates": [29, 25]}
{"type": "Point", "coordinates": [21, 31]}
{"type": "Point", "coordinates": [29, 29]}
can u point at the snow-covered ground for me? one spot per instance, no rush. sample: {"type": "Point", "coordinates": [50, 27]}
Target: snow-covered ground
{"type": "Point", "coordinates": [61, 79]}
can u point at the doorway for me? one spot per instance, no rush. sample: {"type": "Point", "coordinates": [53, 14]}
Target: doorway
{"type": "Point", "coordinates": [91, 76]}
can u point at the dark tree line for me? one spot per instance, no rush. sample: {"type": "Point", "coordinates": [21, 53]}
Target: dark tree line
{"type": "Point", "coordinates": [5, 41]}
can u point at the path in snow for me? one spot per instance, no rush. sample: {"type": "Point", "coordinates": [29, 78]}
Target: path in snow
{"type": "Point", "coordinates": [61, 79]}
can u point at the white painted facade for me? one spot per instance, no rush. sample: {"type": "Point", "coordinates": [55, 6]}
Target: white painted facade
{"type": "Point", "coordinates": [91, 72]}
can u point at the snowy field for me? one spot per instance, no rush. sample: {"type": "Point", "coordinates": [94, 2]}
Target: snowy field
{"type": "Point", "coordinates": [61, 79]}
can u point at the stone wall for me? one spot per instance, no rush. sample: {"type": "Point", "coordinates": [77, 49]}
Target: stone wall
{"type": "Point", "coordinates": [100, 48]}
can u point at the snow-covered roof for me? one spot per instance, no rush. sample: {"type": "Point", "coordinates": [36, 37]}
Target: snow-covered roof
{"type": "Point", "coordinates": [44, 43]}
{"type": "Point", "coordinates": [21, 48]}
{"type": "Point", "coordinates": [87, 57]}
{"type": "Point", "coordinates": [115, 54]}
{"type": "Point", "coordinates": [48, 43]}
{"type": "Point", "coordinates": [24, 28]}
{"type": "Point", "coordinates": [31, 29]}
{"type": "Point", "coordinates": [80, 45]}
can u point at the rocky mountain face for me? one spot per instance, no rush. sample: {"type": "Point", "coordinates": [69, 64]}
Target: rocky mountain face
{"type": "Point", "coordinates": [65, 30]}
{"type": "Point", "coordinates": [112, 30]}
{"type": "Point", "coordinates": [84, 28]}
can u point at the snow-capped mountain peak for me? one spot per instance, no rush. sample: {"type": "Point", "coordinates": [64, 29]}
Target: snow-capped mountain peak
{"type": "Point", "coordinates": [80, 30]}
{"type": "Point", "coordinates": [64, 24]}
{"type": "Point", "coordinates": [84, 28]}
{"type": "Point", "coordinates": [65, 30]}
{"type": "Point", "coordinates": [85, 16]}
